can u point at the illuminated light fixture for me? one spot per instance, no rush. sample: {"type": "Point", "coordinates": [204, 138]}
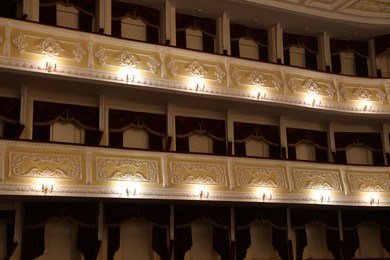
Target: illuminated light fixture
{"type": "Point", "coordinates": [51, 66]}
{"type": "Point", "coordinates": [367, 107]}
{"type": "Point", "coordinates": [130, 75]}
{"type": "Point", "coordinates": [314, 100]}
{"type": "Point", "coordinates": [266, 197]}
{"type": "Point", "coordinates": [46, 188]}
{"type": "Point", "coordinates": [374, 201]}
{"type": "Point", "coordinates": [204, 194]}
{"type": "Point", "coordinates": [261, 94]}
{"type": "Point", "coordinates": [131, 191]}
{"type": "Point", "coordinates": [200, 87]}
{"type": "Point", "coordinates": [324, 198]}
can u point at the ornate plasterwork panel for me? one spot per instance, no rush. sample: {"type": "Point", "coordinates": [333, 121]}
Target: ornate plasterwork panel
{"type": "Point", "coordinates": [299, 85]}
{"type": "Point", "coordinates": [372, 6]}
{"type": "Point", "coordinates": [314, 179]}
{"type": "Point", "coordinates": [131, 168]}
{"type": "Point", "coordinates": [355, 92]}
{"type": "Point", "coordinates": [186, 68]}
{"type": "Point", "coordinates": [113, 58]}
{"type": "Point", "coordinates": [256, 176]}
{"type": "Point", "coordinates": [189, 172]}
{"type": "Point", "coordinates": [368, 182]}
{"type": "Point", "coordinates": [249, 77]}
{"type": "Point", "coordinates": [45, 164]}
{"type": "Point", "coordinates": [34, 45]}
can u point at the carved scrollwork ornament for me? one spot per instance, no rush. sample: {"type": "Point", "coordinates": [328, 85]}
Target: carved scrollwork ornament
{"type": "Point", "coordinates": [128, 59]}
{"type": "Point", "coordinates": [20, 43]}
{"type": "Point", "coordinates": [79, 52]}
{"type": "Point", "coordinates": [172, 67]}
{"type": "Point", "coordinates": [277, 82]}
{"type": "Point", "coordinates": [362, 93]}
{"type": "Point", "coordinates": [331, 90]}
{"type": "Point", "coordinates": [236, 76]}
{"type": "Point", "coordinates": [196, 69]}
{"type": "Point", "coordinates": [256, 78]}
{"type": "Point", "coordinates": [311, 86]}
{"type": "Point", "coordinates": [153, 64]}
{"type": "Point", "coordinates": [220, 74]}
{"type": "Point", "coordinates": [50, 47]}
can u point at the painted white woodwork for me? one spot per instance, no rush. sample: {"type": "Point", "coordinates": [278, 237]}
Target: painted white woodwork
{"type": "Point", "coordinates": [133, 29]}
{"type": "Point", "coordinates": [136, 138]}
{"type": "Point", "coordinates": [359, 155]}
{"type": "Point", "coordinates": [316, 243]}
{"type": "Point", "coordinates": [3, 241]}
{"type": "Point", "coordinates": [194, 39]}
{"type": "Point", "coordinates": [370, 245]}
{"type": "Point", "coordinates": [67, 16]}
{"type": "Point", "coordinates": [200, 143]}
{"type": "Point", "coordinates": [248, 49]}
{"type": "Point", "coordinates": [66, 132]}
{"type": "Point", "coordinates": [104, 15]}
{"type": "Point", "coordinates": [60, 241]}
{"type": "Point", "coordinates": [261, 243]}
{"type": "Point", "coordinates": [202, 242]}
{"type": "Point", "coordinates": [256, 147]}
{"type": "Point", "coordinates": [305, 151]}
{"type": "Point", "coordinates": [347, 63]}
{"type": "Point", "coordinates": [297, 57]}
{"type": "Point", "coordinates": [136, 241]}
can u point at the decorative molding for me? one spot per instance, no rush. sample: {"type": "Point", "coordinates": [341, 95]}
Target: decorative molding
{"type": "Point", "coordinates": [128, 59]}
{"type": "Point", "coordinates": [50, 47]}
{"type": "Point", "coordinates": [153, 64]}
{"type": "Point", "coordinates": [127, 169]}
{"type": "Point", "coordinates": [172, 66]}
{"type": "Point", "coordinates": [101, 56]}
{"type": "Point", "coordinates": [264, 177]}
{"type": "Point", "coordinates": [369, 182]}
{"type": "Point", "coordinates": [79, 52]}
{"type": "Point", "coordinates": [52, 164]}
{"type": "Point", "coordinates": [317, 179]}
{"type": "Point", "coordinates": [362, 93]}
{"type": "Point", "coordinates": [311, 86]}
{"type": "Point", "coordinates": [196, 69]}
{"type": "Point", "coordinates": [198, 173]}
{"type": "Point", "coordinates": [20, 43]}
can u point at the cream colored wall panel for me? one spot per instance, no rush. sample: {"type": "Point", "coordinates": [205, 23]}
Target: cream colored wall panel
{"type": "Point", "coordinates": [260, 176]}
{"type": "Point", "coordinates": [194, 39]}
{"type": "Point", "coordinates": [321, 180]}
{"type": "Point", "coordinates": [67, 16]}
{"type": "Point", "coordinates": [2, 40]}
{"type": "Point", "coordinates": [196, 172]}
{"type": "Point", "coordinates": [372, 182]}
{"type": "Point", "coordinates": [133, 29]}
{"type": "Point", "coordinates": [130, 168]}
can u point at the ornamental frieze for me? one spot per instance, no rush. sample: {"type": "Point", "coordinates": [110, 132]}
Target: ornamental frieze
{"type": "Point", "coordinates": [127, 169]}
{"type": "Point", "coordinates": [351, 92]}
{"type": "Point", "coordinates": [264, 177]}
{"type": "Point", "coordinates": [198, 173]}
{"type": "Point", "coordinates": [317, 179]}
{"type": "Point", "coordinates": [248, 76]}
{"type": "Point", "coordinates": [369, 182]}
{"type": "Point", "coordinates": [45, 165]}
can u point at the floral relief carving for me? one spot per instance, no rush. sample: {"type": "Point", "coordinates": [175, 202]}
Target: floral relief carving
{"type": "Point", "coordinates": [153, 64]}
{"type": "Point", "coordinates": [101, 56]}
{"type": "Point", "coordinates": [362, 93]}
{"type": "Point", "coordinates": [196, 69]}
{"type": "Point", "coordinates": [45, 165]}
{"type": "Point", "coordinates": [128, 59]}
{"type": "Point", "coordinates": [311, 86]}
{"type": "Point", "coordinates": [277, 82]}
{"type": "Point", "coordinates": [344, 93]}
{"type": "Point", "coordinates": [331, 91]}
{"type": "Point", "coordinates": [292, 84]}
{"type": "Point", "coordinates": [236, 76]}
{"type": "Point", "coordinates": [125, 169]}
{"type": "Point", "coordinates": [369, 182]}
{"type": "Point", "coordinates": [172, 66]}
{"type": "Point", "coordinates": [20, 43]}
{"type": "Point", "coordinates": [261, 177]}
{"type": "Point", "coordinates": [256, 78]}
{"type": "Point", "coordinates": [50, 47]}
{"type": "Point", "coordinates": [220, 74]}
{"type": "Point", "coordinates": [79, 53]}
{"type": "Point", "coordinates": [381, 95]}
{"type": "Point", "coordinates": [197, 173]}
{"type": "Point", "coordinates": [372, 6]}
{"type": "Point", "coordinates": [313, 179]}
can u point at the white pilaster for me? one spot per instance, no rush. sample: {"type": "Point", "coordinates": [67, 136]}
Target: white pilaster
{"type": "Point", "coordinates": [279, 42]}
{"type": "Point", "coordinates": [104, 15]}
{"type": "Point", "coordinates": [371, 58]}
{"type": "Point", "coordinates": [31, 10]}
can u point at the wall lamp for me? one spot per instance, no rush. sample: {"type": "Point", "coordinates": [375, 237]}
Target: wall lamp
{"type": "Point", "coordinates": [266, 197]}
{"type": "Point", "coordinates": [46, 188]}
{"type": "Point", "coordinates": [200, 87]}
{"type": "Point", "coordinates": [261, 94]}
{"type": "Point", "coordinates": [131, 191]}
{"type": "Point", "coordinates": [204, 194]}
{"type": "Point", "coordinates": [374, 201]}
{"type": "Point", "coordinates": [324, 198]}
{"type": "Point", "coordinates": [51, 66]}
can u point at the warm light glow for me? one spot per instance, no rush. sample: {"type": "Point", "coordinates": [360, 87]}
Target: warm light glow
{"type": "Point", "coordinates": [367, 106]}
{"type": "Point", "coordinates": [202, 192]}
{"type": "Point", "coordinates": [131, 189]}
{"type": "Point", "coordinates": [321, 196]}
{"type": "Point", "coordinates": [127, 74]}
{"type": "Point", "coordinates": [198, 84]}
{"type": "Point", "coordinates": [265, 195]}
{"type": "Point", "coordinates": [51, 65]}
{"type": "Point", "coordinates": [261, 94]}
{"type": "Point", "coordinates": [47, 188]}
{"type": "Point", "coordinates": [373, 199]}
{"type": "Point", "coordinates": [313, 99]}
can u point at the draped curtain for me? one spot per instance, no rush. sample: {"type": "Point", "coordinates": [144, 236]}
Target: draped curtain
{"type": "Point", "coordinates": [206, 26]}
{"type": "Point", "coordinates": [150, 16]}
{"type": "Point", "coordinates": [319, 139]}
{"type": "Point", "coordinates": [310, 44]}
{"type": "Point", "coordinates": [382, 44]}
{"type": "Point", "coordinates": [47, 113]}
{"type": "Point", "coordinates": [219, 217]}
{"type": "Point", "coordinates": [187, 126]}
{"type": "Point", "coordinates": [360, 49]}
{"type": "Point", "coordinates": [245, 131]}
{"type": "Point", "coordinates": [84, 215]}
{"type": "Point", "coordinates": [327, 218]}
{"type": "Point", "coordinates": [121, 120]}
{"type": "Point", "coordinates": [86, 8]}
{"type": "Point", "coordinates": [8, 9]}
{"type": "Point", "coordinates": [7, 217]}
{"type": "Point", "coordinates": [260, 36]}
{"type": "Point", "coordinates": [276, 217]}
{"type": "Point", "coordinates": [117, 214]}
{"type": "Point", "coordinates": [10, 115]}
{"type": "Point", "coordinates": [371, 141]}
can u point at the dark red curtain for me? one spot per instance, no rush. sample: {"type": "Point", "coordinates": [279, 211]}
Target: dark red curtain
{"type": "Point", "coordinates": [46, 113]}
{"type": "Point", "coordinates": [8, 9]}
{"type": "Point", "coordinates": [207, 26]}
{"type": "Point", "coordinates": [118, 213]}
{"type": "Point", "coordinates": [336, 63]}
{"type": "Point", "coordinates": [10, 115]}
{"type": "Point", "coordinates": [121, 120]}
{"type": "Point", "coordinates": [86, 8]}
{"type": "Point", "coordinates": [310, 44]}
{"type": "Point", "coordinates": [246, 131]}
{"type": "Point", "coordinates": [150, 16]}
{"type": "Point", "coordinates": [382, 43]}
{"type": "Point", "coordinates": [372, 141]}
{"type": "Point", "coordinates": [187, 126]}
{"type": "Point", "coordinates": [219, 217]}
{"type": "Point", "coordinates": [260, 36]}
{"type": "Point", "coordinates": [83, 214]}
{"type": "Point", "coordinates": [8, 217]}
{"type": "Point", "coordinates": [319, 139]}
